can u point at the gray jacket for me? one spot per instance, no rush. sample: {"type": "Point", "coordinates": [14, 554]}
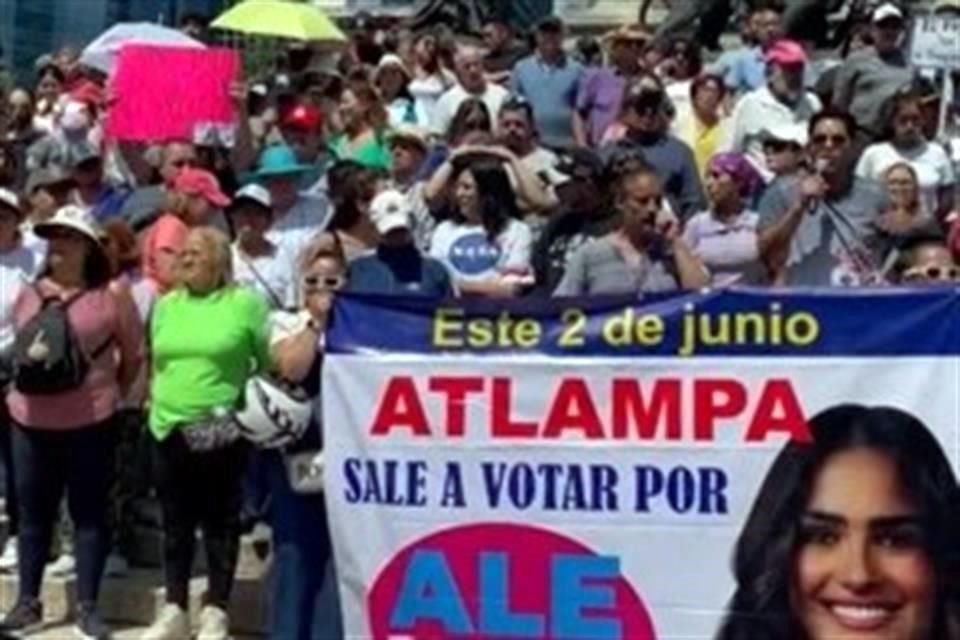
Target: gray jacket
{"type": "Point", "coordinates": [865, 83]}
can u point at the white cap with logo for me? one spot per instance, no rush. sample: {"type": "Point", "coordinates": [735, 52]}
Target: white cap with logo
{"type": "Point", "coordinates": [390, 211]}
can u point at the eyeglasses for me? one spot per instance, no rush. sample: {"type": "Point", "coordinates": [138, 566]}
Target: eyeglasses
{"type": "Point", "coordinates": [185, 162]}
{"type": "Point", "coordinates": [931, 273]}
{"type": "Point", "coordinates": [328, 283]}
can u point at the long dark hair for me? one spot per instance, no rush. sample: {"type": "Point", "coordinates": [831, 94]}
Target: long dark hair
{"type": "Point", "coordinates": [498, 203]}
{"type": "Point", "coordinates": [915, 93]}
{"type": "Point", "coordinates": [765, 552]}
{"type": "Point", "coordinates": [471, 114]}
{"type": "Point", "coordinates": [351, 183]}
{"type": "Point", "coordinates": [97, 270]}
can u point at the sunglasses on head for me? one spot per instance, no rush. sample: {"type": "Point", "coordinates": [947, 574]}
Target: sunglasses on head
{"type": "Point", "coordinates": [323, 282]}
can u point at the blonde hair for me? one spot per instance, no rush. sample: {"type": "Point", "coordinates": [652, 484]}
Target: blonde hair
{"type": "Point", "coordinates": [217, 245]}
{"type": "Point", "coordinates": [323, 246]}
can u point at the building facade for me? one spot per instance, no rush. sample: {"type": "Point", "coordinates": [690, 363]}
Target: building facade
{"type": "Point", "coordinates": [30, 28]}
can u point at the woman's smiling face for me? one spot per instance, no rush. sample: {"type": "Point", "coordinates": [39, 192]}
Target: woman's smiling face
{"type": "Point", "coordinates": [862, 571]}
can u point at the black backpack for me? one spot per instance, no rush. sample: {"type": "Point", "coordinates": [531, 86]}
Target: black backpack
{"type": "Point", "coordinates": [47, 358]}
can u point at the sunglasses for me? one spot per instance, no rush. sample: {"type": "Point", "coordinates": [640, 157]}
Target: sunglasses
{"type": "Point", "coordinates": [836, 141]}
{"type": "Point", "coordinates": [932, 272]}
{"type": "Point", "coordinates": [186, 162]}
{"type": "Point", "coordinates": [778, 146]}
{"type": "Point", "coordinates": [321, 283]}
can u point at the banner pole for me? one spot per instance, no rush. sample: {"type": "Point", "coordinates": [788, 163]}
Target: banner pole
{"type": "Point", "coordinates": [946, 102]}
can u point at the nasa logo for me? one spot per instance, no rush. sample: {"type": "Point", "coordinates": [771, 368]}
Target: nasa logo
{"type": "Point", "coordinates": [473, 254]}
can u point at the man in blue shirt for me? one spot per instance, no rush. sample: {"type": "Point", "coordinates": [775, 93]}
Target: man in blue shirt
{"type": "Point", "coordinates": [92, 190]}
{"type": "Point", "coordinates": [744, 69]}
{"type": "Point", "coordinates": [646, 117]}
{"type": "Point", "coordinates": [397, 267]}
{"type": "Point", "coordinates": [549, 80]}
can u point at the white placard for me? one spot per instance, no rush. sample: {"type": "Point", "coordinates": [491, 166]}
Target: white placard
{"type": "Point", "coordinates": [936, 42]}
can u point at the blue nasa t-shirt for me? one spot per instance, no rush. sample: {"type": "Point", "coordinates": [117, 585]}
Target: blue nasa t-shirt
{"type": "Point", "coordinates": [469, 254]}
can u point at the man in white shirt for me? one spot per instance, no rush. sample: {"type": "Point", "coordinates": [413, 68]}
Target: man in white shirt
{"type": "Point", "coordinates": [517, 132]}
{"type": "Point", "coordinates": [471, 83]}
{"type": "Point", "coordinates": [782, 101]}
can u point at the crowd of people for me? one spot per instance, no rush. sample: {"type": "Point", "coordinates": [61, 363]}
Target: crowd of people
{"type": "Point", "coordinates": [142, 287]}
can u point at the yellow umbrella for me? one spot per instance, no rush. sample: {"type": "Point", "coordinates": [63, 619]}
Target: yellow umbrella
{"type": "Point", "coordinates": [280, 18]}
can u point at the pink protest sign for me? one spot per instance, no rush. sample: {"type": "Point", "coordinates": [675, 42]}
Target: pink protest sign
{"type": "Point", "coordinates": [171, 92]}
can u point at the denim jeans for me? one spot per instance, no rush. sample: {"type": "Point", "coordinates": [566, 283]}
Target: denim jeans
{"type": "Point", "coordinates": [306, 605]}
{"type": "Point", "coordinates": [80, 462]}
{"type": "Point", "coordinates": [9, 478]}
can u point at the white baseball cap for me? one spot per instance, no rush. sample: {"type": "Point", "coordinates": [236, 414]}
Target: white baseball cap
{"type": "Point", "coordinates": [391, 211]}
{"type": "Point", "coordinates": [70, 217]}
{"type": "Point", "coordinates": [785, 132]}
{"type": "Point", "coordinates": [255, 193]}
{"type": "Point", "coordinates": [9, 199]}
{"type": "Point", "coordinates": [886, 11]}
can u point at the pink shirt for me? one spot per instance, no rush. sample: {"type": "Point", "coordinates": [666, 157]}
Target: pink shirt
{"type": "Point", "coordinates": [95, 317]}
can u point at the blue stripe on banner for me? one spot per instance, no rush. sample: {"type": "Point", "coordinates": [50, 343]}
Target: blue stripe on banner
{"type": "Point", "coordinates": [732, 322]}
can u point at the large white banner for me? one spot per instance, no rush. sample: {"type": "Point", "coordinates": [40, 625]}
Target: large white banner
{"type": "Point", "coordinates": [523, 492]}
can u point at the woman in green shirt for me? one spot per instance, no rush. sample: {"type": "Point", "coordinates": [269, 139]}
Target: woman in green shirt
{"type": "Point", "coordinates": [364, 120]}
{"type": "Point", "coordinates": [207, 338]}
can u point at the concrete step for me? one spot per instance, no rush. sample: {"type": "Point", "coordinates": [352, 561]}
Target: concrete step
{"type": "Point", "coordinates": [147, 551]}
{"type": "Point", "coordinates": [64, 631]}
{"type": "Point", "coordinates": [137, 599]}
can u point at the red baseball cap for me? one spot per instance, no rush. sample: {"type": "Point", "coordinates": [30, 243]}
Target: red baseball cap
{"type": "Point", "coordinates": [197, 182]}
{"type": "Point", "coordinates": [88, 93]}
{"type": "Point", "coordinates": [786, 53]}
{"type": "Point", "coordinates": [304, 116]}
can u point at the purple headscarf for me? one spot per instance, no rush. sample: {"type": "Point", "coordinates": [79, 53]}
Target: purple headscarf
{"type": "Point", "coordinates": [740, 170]}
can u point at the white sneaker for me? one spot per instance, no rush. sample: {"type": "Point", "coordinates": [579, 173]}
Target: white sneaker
{"type": "Point", "coordinates": [9, 559]}
{"type": "Point", "coordinates": [171, 624]}
{"type": "Point", "coordinates": [117, 566]}
{"type": "Point", "coordinates": [214, 624]}
{"type": "Point", "coordinates": [63, 566]}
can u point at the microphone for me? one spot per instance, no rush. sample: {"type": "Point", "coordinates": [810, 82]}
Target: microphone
{"type": "Point", "coordinates": [820, 166]}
